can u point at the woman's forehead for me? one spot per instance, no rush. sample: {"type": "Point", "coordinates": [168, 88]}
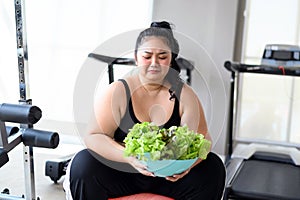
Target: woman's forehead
{"type": "Point", "coordinates": [154, 43]}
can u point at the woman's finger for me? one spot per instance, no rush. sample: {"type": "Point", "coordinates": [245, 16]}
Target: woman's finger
{"type": "Point", "coordinates": [147, 173]}
{"type": "Point", "coordinates": [176, 177]}
{"type": "Point", "coordinates": [136, 163]}
{"type": "Point", "coordinates": [142, 168]}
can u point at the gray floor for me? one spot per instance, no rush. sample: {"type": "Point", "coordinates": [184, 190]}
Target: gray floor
{"type": "Point", "coordinates": [12, 173]}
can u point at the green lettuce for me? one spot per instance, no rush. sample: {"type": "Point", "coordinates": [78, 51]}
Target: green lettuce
{"type": "Point", "coordinates": [174, 143]}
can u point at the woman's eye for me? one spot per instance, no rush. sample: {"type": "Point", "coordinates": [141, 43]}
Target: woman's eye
{"type": "Point", "coordinates": [147, 57]}
{"type": "Point", "coordinates": [163, 58]}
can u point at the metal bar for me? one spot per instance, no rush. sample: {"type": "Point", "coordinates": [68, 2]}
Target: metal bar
{"type": "Point", "coordinates": [230, 117]}
{"type": "Point", "coordinates": [240, 31]}
{"type": "Point", "coordinates": [264, 69]}
{"type": "Point", "coordinates": [24, 93]}
{"type": "Point", "coordinates": [290, 112]}
{"type": "Point", "coordinates": [238, 103]}
{"type": "Point", "coordinates": [189, 75]}
{"type": "Point", "coordinates": [13, 141]}
{"type": "Point", "coordinates": [112, 60]}
{"type": "Point", "coordinates": [3, 135]}
{"type": "Point", "coordinates": [22, 48]}
{"type": "Point", "coordinates": [111, 73]}
{"type": "Point", "coordinates": [28, 164]}
{"type": "Point", "coordinates": [29, 172]}
{"type": "Point", "coordinates": [234, 108]}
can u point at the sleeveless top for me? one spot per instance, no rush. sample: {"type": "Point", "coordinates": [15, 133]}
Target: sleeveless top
{"type": "Point", "coordinates": [129, 118]}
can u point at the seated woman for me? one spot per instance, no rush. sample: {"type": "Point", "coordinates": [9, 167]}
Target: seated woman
{"type": "Point", "coordinates": [154, 94]}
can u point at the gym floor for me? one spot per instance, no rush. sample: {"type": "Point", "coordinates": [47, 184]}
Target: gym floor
{"type": "Point", "coordinates": [12, 173]}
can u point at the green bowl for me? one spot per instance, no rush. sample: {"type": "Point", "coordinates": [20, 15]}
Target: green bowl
{"type": "Point", "coordinates": [163, 168]}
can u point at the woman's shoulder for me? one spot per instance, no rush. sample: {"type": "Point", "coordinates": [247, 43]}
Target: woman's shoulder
{"type": "Point", "coordinates": [187, 89]}
{"type": "Point", "coordinates": [121, 83]}
{"type": "Point", "coordinates": [112, 86]}
{"type": "Point", "coordinates": [112, 90]}
{"type": "Point", "coordinates": [187, 92]}
{"type": "Point", "coordinates": [121, 86]}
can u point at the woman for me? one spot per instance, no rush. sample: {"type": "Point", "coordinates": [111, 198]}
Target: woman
{"type": "Point", "coordinates": [155, 94]}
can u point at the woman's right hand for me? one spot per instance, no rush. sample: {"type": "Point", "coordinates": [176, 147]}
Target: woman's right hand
{"type": "Point", "coordinates": [140, 167]}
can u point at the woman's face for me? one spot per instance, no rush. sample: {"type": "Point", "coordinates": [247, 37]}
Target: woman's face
{"type": "Point", "coordinates": [154, 58]}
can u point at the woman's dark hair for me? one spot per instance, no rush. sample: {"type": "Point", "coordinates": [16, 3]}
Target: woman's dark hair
{"type": "Point", "coordinates": [163, 29]}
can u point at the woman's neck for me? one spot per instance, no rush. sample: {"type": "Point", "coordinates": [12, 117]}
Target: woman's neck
{"type": "Point", "coordinates": [151, 87]}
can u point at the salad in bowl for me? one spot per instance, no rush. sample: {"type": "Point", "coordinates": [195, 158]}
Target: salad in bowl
{"type": "Point", "coordinates": [165, 151]}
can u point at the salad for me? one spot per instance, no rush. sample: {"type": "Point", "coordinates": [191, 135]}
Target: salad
{"type": "Point", "coordinates": [174, 143]}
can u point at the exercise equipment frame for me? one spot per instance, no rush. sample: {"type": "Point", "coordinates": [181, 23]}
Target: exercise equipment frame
{"type": "Point", "coordinates": [284, 157]}
{"type": "Point", "coordinates": [26, 134]}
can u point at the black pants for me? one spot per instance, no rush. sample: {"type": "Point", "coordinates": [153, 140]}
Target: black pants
{"type": "Point", "coordinates": [92, 177]}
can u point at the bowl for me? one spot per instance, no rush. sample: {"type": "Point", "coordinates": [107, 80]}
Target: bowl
{"type": "Point", "coordinates": [163, 168]}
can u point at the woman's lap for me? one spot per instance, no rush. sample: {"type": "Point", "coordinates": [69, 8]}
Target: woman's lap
{"type": "Point", "coordinates": [90, 179]}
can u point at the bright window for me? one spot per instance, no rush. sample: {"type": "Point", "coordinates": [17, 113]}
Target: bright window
{"type": "Point", "coordinates": [60, 35]}
{"type": "Point", "coordinates": [270, 105]}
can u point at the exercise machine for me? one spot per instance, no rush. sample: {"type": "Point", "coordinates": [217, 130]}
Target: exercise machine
{"type": "Point", "coordinates": [256, 168]}
{"type": "Point", "coordinates": [25, 115]}
{"type": "Point", "coordinates": [11, 136]}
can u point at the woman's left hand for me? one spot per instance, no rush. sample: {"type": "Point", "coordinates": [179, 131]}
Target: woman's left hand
{"type": "Point", "coordinates": [176, 177]}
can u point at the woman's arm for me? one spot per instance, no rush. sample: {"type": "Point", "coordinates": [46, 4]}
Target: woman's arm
{"type": "Point", "coordinates": [109, 110]}
{"type": "Point", "coordinates": [192, 115]}
{"type": "Point", "coordinates": [105, 120]}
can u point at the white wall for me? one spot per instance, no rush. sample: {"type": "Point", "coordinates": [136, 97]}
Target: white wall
{"type": "Point", "coordinates": [206, 31]}
{"type": "Point", "coordinates": [61, 34]}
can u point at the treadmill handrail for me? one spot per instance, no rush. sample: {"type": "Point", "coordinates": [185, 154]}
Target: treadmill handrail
{"type": "Point", "coordinates": [112, 60]}
{"type": "Point", "coordinates": [262, 69]}
{"type": "Point", "coordinates": [182, 62]}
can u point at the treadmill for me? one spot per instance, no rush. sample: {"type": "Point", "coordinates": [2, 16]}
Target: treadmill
{"type": "Point", "coordinates": [260, 167]}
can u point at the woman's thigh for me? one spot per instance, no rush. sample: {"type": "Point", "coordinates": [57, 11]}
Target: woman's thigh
{"type": "Point", "coordinates": [93, 177]}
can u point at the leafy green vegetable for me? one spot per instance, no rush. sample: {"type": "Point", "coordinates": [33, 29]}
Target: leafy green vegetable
{"type": "Point", "coordinates": [178, 143]}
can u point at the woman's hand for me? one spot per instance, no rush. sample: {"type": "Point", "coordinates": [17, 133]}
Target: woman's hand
{"type": "Point", "coordinates": [140, 167]}
{"type": "Point", "coordinates": [176, 177]}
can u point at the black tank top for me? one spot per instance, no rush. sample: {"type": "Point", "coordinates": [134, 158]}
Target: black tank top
{"type": "Point", "coordinates": [129, 118]}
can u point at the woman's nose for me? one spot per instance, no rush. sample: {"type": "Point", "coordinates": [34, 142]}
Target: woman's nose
{"type": "Point", "coordinates": [154, 61]}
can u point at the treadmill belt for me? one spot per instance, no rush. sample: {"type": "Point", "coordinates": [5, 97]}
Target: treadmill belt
{"type": "Point", "coordinates": [267, 180]}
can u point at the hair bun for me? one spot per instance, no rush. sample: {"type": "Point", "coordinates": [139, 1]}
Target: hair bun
{"type": "Point", "coordinates": [162, 24]}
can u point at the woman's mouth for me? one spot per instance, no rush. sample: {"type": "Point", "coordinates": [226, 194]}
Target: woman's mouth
{"type": "Point", "coordinates": [153, 71]}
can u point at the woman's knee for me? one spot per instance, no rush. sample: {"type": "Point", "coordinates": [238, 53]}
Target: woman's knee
{"type": "Point", "coordinates": [216, 166]}
{"type": "Point", "coordinates": [83, 164]}
{"type": "Point", "coordinates": [217, 175]}
{"type": "Point", "coordinates": [210, 172]}
{"type": "Point", "coordinates": [217, 161]}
